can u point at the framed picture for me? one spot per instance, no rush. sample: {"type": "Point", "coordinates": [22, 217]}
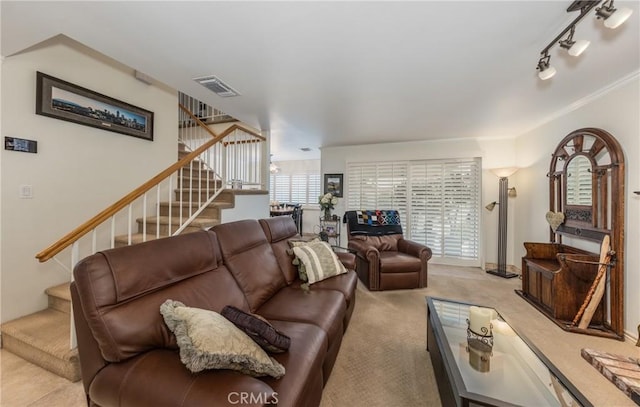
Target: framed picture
{"type": "Point", "coordinates": [333, 184]}
{"type": "Point", "coordinates": [65, 101]}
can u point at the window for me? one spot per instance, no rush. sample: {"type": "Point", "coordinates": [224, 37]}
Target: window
{"type": "Point", "coordinates": [438, 200]}
{"type": "Point", "coordinates": [295, 188]}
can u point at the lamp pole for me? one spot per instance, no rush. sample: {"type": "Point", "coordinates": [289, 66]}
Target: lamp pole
{"type": "Point", "coordinates": [501, 270]}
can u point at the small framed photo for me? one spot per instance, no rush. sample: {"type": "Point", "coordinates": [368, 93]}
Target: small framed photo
{"type": "Point", "coordinates": [333, 184]}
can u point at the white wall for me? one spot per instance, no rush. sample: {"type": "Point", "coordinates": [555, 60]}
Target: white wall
{"type": "Point", "coordinates": [615, 110]}
{"type": "Point", "coordinates": [77, 171]}
{"type": "Point", "coordinates": [249, 206]}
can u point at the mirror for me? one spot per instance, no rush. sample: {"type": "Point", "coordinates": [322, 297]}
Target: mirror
{"type": "Point", "coordinates": [579, 181]}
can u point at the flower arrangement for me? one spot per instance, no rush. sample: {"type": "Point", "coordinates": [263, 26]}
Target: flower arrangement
{"type": "Point", "coordinates": [327, 202]}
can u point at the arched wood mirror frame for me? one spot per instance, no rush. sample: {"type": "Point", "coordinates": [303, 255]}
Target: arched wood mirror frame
{"type": "Point", "coordinates": [604, 215]}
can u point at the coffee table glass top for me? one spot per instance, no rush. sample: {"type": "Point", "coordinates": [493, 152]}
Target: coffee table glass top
{"type": "Point", "coordinates": [509, 371]}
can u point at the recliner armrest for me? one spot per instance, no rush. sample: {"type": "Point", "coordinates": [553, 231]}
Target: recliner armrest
{"type": "Point", "coordinates": [358, 246]}
{"type": "Point", "coordinates": [414, 249]}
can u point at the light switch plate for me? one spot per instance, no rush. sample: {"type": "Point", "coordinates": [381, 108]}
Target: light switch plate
{"type": "Point", "coordinates": [26, 192]}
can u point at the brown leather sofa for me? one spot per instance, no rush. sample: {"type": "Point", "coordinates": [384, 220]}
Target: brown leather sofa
{"type": "Point", "coordinates": [129, 357]}
{"type": "Point", "coordinates": [385, 259]}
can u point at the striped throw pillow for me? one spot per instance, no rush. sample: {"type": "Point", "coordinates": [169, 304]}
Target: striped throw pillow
{"type": "Point", "coordinates": [320, 262]}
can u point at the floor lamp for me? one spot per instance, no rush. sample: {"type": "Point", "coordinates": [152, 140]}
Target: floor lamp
{"type": "Point", "coordinates": [504, 193]}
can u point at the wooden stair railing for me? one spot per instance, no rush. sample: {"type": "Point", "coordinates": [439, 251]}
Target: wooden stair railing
{"type": "Point", "coordinates": [127, 200]}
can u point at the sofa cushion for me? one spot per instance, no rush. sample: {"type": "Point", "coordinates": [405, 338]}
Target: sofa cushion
{"type": "Point", "coordinates": [258, 329]}
{"type": "Point", "coordinates": [186, 268]}
{"type": "Point", "coordinates": [398, 262]}
{"type": "Point", "coordinates": [319, 260]}
{"type": "Point", "coordinates": [159, 378]}
{"type": "Point", "coordinates": [278, 230]}
{"type": "Point", "coordinates": [302, 385]}
{"type": "Point", "coordinates": [207, 340]}
{"type": "Point", "coordinates": [249, 257]}
{"type": "Point", "coordinates": [323, 308]}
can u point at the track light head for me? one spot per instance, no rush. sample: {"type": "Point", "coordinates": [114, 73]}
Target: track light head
{"type": "Point", "coordinates": [574, 48]}
{"type": "Point", "coordinates": [612, 17]}
{"type": "Point", "coordinates": [546, 71]}
{"type": "Point", "coordinates": [490, 206]}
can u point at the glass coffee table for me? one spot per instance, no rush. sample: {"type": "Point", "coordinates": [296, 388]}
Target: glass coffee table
{"type": "Point", "coordinates": [500, 368]}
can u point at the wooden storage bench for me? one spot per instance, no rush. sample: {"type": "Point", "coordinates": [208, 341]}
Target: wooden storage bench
{"type": "Point", "coordinates": [556, 279]}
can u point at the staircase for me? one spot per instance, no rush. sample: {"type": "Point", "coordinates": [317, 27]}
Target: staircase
{"type": "Point", "coordinates": [172, 214]}
{"type": "Point", "coordinates": [42, 338]}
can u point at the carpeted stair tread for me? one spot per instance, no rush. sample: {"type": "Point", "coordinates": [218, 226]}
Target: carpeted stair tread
{"type": "Point", "coordinates": [175, 204]}
{"type": "Point", "coordinates": [61, 291]}
{"type": "Point", "coordinates": [197, 222]}
{"type": "Point", "coordinates": [43, 339]}
{"type": "Point", "coordinates": [59, 297]}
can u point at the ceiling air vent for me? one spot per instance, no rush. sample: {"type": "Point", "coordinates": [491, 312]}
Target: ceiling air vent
{"type": "Point", "coordinates": [215, 85]}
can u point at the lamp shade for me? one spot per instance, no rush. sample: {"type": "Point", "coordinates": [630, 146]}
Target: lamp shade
{"type": "Point", "coordinates": [547, 73]}
{"type": "Point", "coordinates": [504, 172]}
{"type": "Point", "coordinates": [618, 17]}
{"type": "Point", "coordinates": [578, 48]}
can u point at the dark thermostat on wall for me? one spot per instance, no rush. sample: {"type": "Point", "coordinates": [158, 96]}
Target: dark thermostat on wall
{"type": "Point", "coordinates": [20, 144]}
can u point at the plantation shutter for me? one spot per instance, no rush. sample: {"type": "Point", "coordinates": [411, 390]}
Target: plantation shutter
{"type": "Point", "coordinates": [298, 188]}
{"type": "Point", "coordinates": [438, 200]}
{"type": "Point", "coordinates": [295, 188]}
{"type": "Point", "coordinates": [378, 186]}
{"type": "Point", "coordinates": [313, 188]}
{"type": "Point", "coordinates": [282, 187]}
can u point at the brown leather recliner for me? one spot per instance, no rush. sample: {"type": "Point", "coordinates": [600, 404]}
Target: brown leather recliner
{"type": "Point", "coordinates": [385, 259]}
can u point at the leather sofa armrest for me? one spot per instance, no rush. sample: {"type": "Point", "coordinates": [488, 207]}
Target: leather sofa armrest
{"type": "Point", "coordinates": [414, 249]}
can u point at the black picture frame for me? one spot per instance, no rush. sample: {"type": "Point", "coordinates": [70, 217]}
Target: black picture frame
{"type": "Point", "coordinates": [333, 183]}
{"type": "Point", "coordinates": [65, 101]}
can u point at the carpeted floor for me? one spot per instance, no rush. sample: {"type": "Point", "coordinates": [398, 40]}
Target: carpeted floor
{"type": "Point", "coordinates": [383, 359]}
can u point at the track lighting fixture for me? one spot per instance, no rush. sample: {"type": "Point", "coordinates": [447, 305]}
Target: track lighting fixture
{"type": "Point", "coordinates": [612, 17]}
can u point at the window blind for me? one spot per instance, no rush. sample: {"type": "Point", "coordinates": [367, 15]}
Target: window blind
{"type": "Point", "coordinates": [295, 188]}
{"type": "Point", "coordinates": [438, 200]}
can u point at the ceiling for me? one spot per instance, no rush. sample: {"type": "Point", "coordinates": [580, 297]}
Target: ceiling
{"type": "Point", "coordinates": [318, 74]}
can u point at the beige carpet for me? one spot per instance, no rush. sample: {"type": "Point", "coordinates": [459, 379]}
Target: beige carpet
{"type": "Point", "coordinates": [383, 359]}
